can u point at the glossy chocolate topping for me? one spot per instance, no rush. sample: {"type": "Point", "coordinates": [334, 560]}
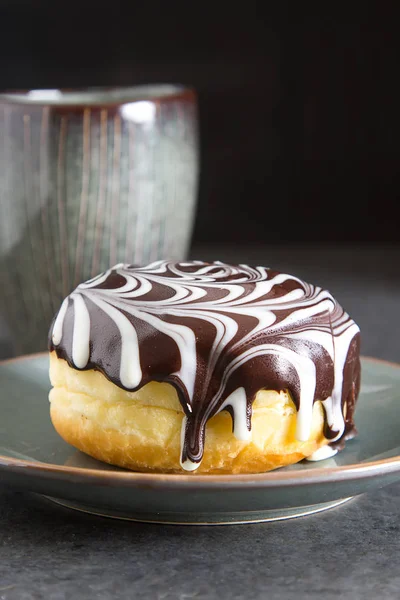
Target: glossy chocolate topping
{"type": "Point", "coordinates": [218, 333]}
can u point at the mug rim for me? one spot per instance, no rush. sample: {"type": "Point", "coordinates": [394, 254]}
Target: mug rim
{"type": "Point", "coordinates": [99, 95]}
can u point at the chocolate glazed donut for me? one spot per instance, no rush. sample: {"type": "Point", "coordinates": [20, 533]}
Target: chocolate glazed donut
{"type": "Point", "coordinates": [218, 333]}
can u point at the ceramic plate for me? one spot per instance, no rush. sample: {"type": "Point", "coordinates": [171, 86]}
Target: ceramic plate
{"type": "Point", "coordinates": [33, 457]}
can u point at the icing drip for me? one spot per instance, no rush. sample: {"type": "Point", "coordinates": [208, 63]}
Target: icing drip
{"type": "Point", "coordinates": [218, 333]}
{"type": "Point", "coordinates": [322, 454]}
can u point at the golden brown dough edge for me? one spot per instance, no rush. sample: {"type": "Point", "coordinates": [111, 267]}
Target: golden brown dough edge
{"type": "Point", "coordinates": [142, 430]}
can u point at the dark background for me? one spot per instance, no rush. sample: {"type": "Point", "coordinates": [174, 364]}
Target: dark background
{"type": "Point", "coordinates": [299, 109]}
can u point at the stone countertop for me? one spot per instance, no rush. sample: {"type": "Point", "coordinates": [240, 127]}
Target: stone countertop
{"type": "Point", "coordinates": [353, 551]}
{"type": "Point", "coordinates": [52, 553]}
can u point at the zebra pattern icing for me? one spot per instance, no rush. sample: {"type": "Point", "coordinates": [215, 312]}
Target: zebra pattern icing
{"type": "Point", "coordinates": [218, 333]}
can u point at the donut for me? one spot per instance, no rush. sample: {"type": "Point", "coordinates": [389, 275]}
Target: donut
{"type": "Point", "coordinates": [204, 368]}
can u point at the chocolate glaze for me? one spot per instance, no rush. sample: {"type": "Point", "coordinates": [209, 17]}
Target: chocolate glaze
{"type": "Point", "coordinates": [215, 332]}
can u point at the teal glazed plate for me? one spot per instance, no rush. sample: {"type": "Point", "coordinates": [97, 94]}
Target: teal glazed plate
{"type": "Point", "coordinates": [34, 458]}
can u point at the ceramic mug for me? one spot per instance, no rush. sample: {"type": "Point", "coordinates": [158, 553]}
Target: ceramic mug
{"type": "Point", "coordinates": [89, 179]}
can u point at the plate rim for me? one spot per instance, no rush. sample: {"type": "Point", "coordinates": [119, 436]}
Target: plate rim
{"type": "Point", "coordinates": [271, 479]}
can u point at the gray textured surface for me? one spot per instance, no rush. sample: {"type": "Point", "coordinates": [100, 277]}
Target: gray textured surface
{"type": "Point", "coordinates": [350, 552]}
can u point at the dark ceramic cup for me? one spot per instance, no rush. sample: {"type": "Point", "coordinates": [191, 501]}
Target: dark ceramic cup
{"type": "Point", "coordinates": [89, 179]}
